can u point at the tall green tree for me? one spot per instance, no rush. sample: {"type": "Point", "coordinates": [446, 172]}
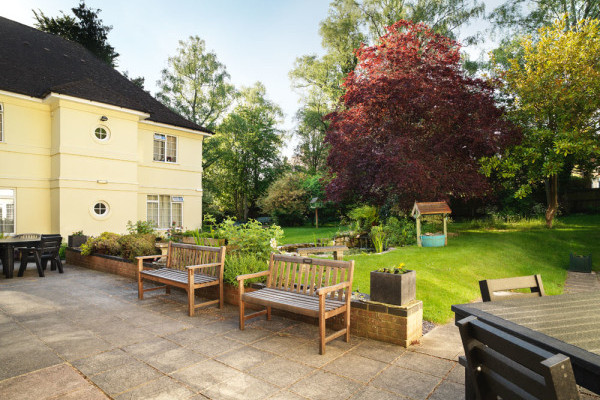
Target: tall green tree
{"type": "Point", "coordinates": [196, 85]}
{"type": "Point", "coordinates": [85, 28]}
{"type": "Point", "coordinates": [554, 95]}
{"type": "Point", "coordinates": [312, 150]}
{"type": "Point", "coordinates": [247, 146]}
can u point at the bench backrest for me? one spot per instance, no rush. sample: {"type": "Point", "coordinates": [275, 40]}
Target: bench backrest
{"type": "Point", "coordinates": [306, 275]}
{"type": "Point", "coordinates": [181, 255]}
{"type": "Point", "coordinates": [533, 282]}
{"type": "Point", "coordinates": [499, 364]}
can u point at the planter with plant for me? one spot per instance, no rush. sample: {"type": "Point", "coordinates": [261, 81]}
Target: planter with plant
{"type": "Point", "coordinates": [396, 285]}
{"type": "Point", "coordinates": [76, 239]}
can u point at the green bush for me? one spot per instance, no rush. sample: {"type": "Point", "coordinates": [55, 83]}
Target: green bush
{"type": "Point", "coordinates": [286, 200]}
{"type": "Point", "coordinates": [62, 251]}
{"type": "Point", "coordinates": [135, 245]}
{"type": "Point", "coordinates": [250, 238]}
{"type": "Point", "coordinates": [362, 218]}
{"type": "Point", "coordinates": [400, 232]}
{"type": "Point", "coordinates": [107, 243]}
{"type": "Point", "coordinates": [379, 238]}
{"type": "Point", "coordinates": [240, 264]}
{"type": "Point", "coordinates": [141, 227]}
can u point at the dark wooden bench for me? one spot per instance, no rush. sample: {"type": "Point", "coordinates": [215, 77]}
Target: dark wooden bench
{"type": "Point", "coordinates": [314, 287]}
{"type": "Point", "coordinates": [338, 251]}
{"type": "Point", "coordinates": [490, 287]}
{"type": "Point", "coordinates": [189, 267]}
{"type": "Point", "coordinates": [499, 364]}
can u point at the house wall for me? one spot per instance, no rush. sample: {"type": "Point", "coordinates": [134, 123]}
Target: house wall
{"type": "Point", "coordinates": [59, 169]}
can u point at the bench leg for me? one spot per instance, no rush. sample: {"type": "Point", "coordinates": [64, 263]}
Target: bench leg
{"type": "Point", "coordinates": [221, 295]}
{"type": "Point", "coordinates": [347, 337]}
{"type": "Point", "coordinates": [241, 315]}
{"type": "Point", "coordinates": [168, 289]}
{"type": "Point", "coordinates": [322, 325]}
{"type": "Point", "coordinates": [140, 287]}
{"type": "Point", "coordinates": [191, 301]}
{"type": "Point", "coordinates": [269, 313]}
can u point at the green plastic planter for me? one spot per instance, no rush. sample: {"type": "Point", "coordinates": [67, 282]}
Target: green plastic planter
{"type": "Point", "coordinates": [433, 241]}
{"type": "Point", "coordinates": [580, 263]}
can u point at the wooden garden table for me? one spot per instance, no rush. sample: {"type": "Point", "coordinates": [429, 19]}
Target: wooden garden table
{"type": "Point", "coordinates": [338, 251]}
{"type": "Point", "coordinates": [568, 324]}
{"type": "Point", "coordinates": [7, 252]}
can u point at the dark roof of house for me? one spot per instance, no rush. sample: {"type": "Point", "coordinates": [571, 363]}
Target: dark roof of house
{"type": "Point", "coordinates": [35, 63]}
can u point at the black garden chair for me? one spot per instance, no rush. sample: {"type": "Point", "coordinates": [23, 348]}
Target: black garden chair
{"type": "Point", "coordinates": [47, 250]}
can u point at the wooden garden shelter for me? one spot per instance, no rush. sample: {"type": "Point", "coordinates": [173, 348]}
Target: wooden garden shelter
{"type": "Point", "coordinates": [431, 208]}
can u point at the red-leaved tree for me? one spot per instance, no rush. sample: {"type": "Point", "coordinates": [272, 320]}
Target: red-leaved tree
{"type": "Point", "coordinates": [413, 125]}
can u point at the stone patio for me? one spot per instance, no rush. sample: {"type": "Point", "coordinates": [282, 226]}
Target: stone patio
{"type": "Point", "coordinates": [85, 335]}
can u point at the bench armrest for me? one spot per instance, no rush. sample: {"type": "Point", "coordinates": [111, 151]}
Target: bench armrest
{"type": "Point", "coordinates": [200, 266]}
{"type": "Point", "coordinates": [241, 278]}
{"type": "Point", "coordinates": [328, 289]}
{"type": "Point", "coordinates": [146, 257]}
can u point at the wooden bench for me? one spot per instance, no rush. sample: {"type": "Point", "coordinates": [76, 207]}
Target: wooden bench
{"type": "Point", "coordinates": [189, 267]}
{"type": "Point", "coordinates": [490, 287]}
{"type": "Point", "coordinates": [338, 251]}
{"type": "Point", "coordinates": [308, 286]}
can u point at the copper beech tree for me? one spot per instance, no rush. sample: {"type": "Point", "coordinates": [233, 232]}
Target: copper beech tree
{"type": "Point", "coordinates": [413, 125]}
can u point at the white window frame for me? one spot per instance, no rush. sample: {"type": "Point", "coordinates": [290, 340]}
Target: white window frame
{"type": "Point", "coordinates": [1, 122]}
{"type": "Point", "coordinates": [106, 130]}
{"type": "Point", "coordinates": [171, 202]}
{"type": "Point", "coordinates": [165, 141]}
{"type": "Point", "coordinates": [14, 198]}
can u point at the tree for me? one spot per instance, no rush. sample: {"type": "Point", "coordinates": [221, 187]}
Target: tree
{"type": "Point", "coordinates": [312, 150]}
{"type": "Point", "coordinates": [554, 93]}
{"type": "Point", "coordinates": [413, 125]}
{"type": "Point", "coordinates": [85, 28]}
{"type": "Point", "coordinates": [287, 199]}
{"type": "Point", "coordinates": [196, 85]}
{"type": "Point", "coordinates": [246, 146]}
{"type": "Point", "coordinates": [510, 16]}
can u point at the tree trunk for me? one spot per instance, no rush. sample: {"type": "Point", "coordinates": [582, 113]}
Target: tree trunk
{"type": "Point", "coordinates": [551, 199]}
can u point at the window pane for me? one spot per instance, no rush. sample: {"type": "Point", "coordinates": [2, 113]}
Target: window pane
{"type": "Point", "coordinates": [159, 150]}
{"type": "Point", "coordinates": [164, 212]}
{"type": "Point", "coordinates": [7, 211]}
{"type": "Point", "coordinates": [171, 148]}
{"type": "Point", "coordinates": [177, 209]}
{"type": "Point", "coordinates": [152, 210]}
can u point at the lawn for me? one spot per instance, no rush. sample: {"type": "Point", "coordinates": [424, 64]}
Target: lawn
{"type": "Point", "coordinates": [450, 275]}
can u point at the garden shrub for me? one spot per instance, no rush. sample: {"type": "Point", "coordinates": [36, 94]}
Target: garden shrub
{"type": "Point", "coordinates": [107, 243]}
{"type": "Point", "coordinates": [400, 231]}
{"type": "Point", "coordinates": [141, 227]}
{"type": "Point", "coordinates": [362, 218]}
{"type": "Point", "coordinates": [250, 237]}
{"type": "Point", "coordinates": [287, 200]}
{"type": "Point", "coordinates": [135, 245]}
{"type": "Point", "coordinates": [240, 264]}
{"type": "Point", "coordinates": [379, 238]}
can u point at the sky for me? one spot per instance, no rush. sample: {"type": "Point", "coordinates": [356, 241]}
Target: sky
{"type": "Point", "coordinates": [257, 40]}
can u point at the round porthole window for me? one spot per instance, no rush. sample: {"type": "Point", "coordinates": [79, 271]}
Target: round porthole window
{"type": "Point", "coordinates": [102, 133]}
{"type": "Point", "coordinates": [100, 209]}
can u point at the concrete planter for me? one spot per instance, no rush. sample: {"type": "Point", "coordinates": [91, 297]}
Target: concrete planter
{"type": "Point", "coordinates": [396, 289]}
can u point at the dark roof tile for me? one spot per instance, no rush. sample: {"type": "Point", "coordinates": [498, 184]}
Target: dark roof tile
{"type": "Point", "coordinates": [35, 63]}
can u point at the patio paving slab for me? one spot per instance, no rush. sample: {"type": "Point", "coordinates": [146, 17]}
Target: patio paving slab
{"type": "Point", "coordinates": [125, 377]}
{"type": "Point", "coordinates": [406, 382]}
{"type": "Point", "coordinates": [323, 385]}
{"type": "Point", "coordinates": [281, 371]}
{"type": "Point", "coordinates": [59, 381]}
{"type": "Point", "coordinates": [160, 389]}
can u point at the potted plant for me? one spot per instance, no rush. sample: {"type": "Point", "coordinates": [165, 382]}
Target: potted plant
{"type": "Point", "coordinates": [76, 239]}
{"type": "Point", "coordinates": [396, 285]}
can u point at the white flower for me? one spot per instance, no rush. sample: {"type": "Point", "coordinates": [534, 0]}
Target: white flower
{"type": "Point", "coordinates": [273, 243]}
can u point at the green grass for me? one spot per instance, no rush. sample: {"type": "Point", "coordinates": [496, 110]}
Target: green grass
{"type": "Point", "coordinates": [450, 275]}
{"type": "Point", "coordinates": [308, 234]}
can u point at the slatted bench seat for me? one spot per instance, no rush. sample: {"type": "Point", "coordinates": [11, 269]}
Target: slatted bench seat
{"type": "Point", "coordinates": [189, 267]}
{"type": "Point", "coordinates": [308, 286]}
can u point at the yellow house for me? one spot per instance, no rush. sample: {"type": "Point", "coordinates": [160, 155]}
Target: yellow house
{"type": "Point", "coordinates": [83, 148]}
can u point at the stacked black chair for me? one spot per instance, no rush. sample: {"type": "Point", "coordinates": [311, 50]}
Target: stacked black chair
{"type": "Point", "coordinates": [47, 250]}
